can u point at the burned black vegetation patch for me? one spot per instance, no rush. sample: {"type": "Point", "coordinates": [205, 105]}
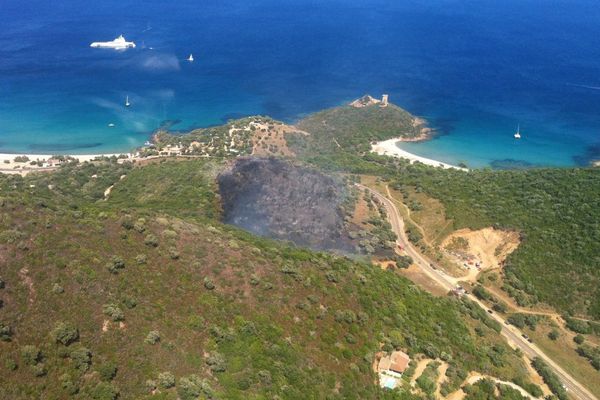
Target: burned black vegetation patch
{"type": "Point", "coordinates": [274, 198]}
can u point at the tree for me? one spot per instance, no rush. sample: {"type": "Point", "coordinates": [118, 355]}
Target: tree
{"type": "Point", "coordinates": [553, 334]}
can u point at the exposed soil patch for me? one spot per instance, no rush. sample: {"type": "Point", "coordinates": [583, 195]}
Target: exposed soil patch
{"type": "Point", "coordinates": [24, 274]}
{"type": "Point", "coordinates": [487, 246]}
{"type": "Point", "coordinates": [274, 198]}
{"type": "Point", "coordinates": [416, 275]}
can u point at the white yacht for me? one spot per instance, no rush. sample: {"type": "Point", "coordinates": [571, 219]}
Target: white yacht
{"type": "Point", "coordinates": [118, 44]}
{"type": "Point", "coordinates": [190, 58]}
{"type": "Point", "coordinates": [518, 134]}
{"type": "Point", "coordinates": [127, 103]}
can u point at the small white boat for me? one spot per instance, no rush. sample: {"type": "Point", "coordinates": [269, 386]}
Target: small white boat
{"type": "Point", "coordinates": [118, 44]}
{"type": "Point", "coordinates": [518, 134]}
{"type": "Point", "coordinates": [127, 103]}
{"type": "Point", "coordinates": [111, 125]}
{"type": "Point", "coordinates": [190, 58]}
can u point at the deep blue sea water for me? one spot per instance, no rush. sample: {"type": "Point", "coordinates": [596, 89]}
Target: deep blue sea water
{"type": "Point", "coordinates": [474, 69]}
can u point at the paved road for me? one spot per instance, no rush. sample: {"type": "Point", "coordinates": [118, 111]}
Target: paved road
{"type": "Point", "coordinates": [511, 333]}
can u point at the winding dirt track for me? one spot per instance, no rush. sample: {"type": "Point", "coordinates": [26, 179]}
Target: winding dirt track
{"type": "Point", "coordinates": [511, 333]}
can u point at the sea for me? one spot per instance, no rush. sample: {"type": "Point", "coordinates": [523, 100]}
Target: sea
{"type": "Point", "coordinates": [474, 69]}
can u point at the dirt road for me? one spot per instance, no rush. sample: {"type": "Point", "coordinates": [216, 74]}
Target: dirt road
{"type": "Point", "coordinates": [511, 333]}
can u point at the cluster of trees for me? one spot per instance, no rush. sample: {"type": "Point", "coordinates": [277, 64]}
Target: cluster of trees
{"type": "Point", "coordinates": [592, 353]}
{"type": "Point", "coordinates": [427, 381]}
{"type": "Point", "coordinates": [487, 389]}
{"type": "Point", "coordinates": [550, 378]}
{"type": "Point", "coordinates": [521, 320]}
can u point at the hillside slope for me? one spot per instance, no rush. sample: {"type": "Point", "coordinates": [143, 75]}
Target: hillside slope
{"type": "Point", "coordinates": [147, 295]}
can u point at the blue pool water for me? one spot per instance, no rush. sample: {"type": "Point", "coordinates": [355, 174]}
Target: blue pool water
{"type": "Point", "coordinates": [474, 69]}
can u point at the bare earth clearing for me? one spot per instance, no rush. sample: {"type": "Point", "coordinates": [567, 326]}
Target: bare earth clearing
{"type": "Point", "coordinates": [488, 246]}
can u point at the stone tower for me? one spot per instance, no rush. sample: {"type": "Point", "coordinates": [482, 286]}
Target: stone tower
{"type": "Point", "coordinates": [384, 100]}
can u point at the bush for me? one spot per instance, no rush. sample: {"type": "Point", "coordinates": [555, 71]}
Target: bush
{"type": "Point", "coordinates": [5, 332]}
{"type": "Point", "coordinates": [153, 337]}
{"type": "Point", "coordinates": [403, 261]}
{"type": "Point", "coordinates": [39, 370]}
{"type": "Point", "coordinates": [129, 302]}
{"type": "Point", "coordinates": [66, 382]}
{"type": "Point", "coordinates": [139, 226]}
{"type": "Point", "coordinates": [82, 358]}
{"type": "Point", "coordinates": [166, 380]}
{"type": "Point", "coordinates": [173, 253]}
{"type": "Point", "coordinates": [141, 259]}
{"type": "Point", "coordinates": [30, 354]}
{"type": "Point", "coordinates": [264, 377]}
{"type": "Point", "coordinates": [10, 364]}
{"type": "Point", "coordinates": [216, 362]}
{"type": "Point", "coordinates": [208, 283]}
{"type": "Point", "coordinates": [127, 222]}
{"type": "Point", "coordinates": [107, 371]}
{"type": "Point", "coordinates": [57, 289]}
{"type": "Point", "coordinates": [151, 385]}
{"type": "Point", "coordinates": [115, 264]}
{"type": "Point", "coordinates": [104, 391]}
{"type": "Point", "coordinates": [151, 241]}
{"type": "Point", "coordinates": [113, 311]}
{"type": "Point", "coordinates": [553, 334]}
{"type": "Point", "coordinates": [65, 333]}
{"type": "Point", "coordinates": [189, 388]}
{"type": "Point", "coordinates": [579, 339]}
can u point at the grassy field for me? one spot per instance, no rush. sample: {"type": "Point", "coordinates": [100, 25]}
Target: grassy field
{"type": "Point", "coordinates": [562, 351]}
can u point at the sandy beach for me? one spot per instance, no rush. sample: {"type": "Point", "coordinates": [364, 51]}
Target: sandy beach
{"type": "Point", "coordinates": [389, 148]}
{"type": "Point", "coordinates": [8, 165]}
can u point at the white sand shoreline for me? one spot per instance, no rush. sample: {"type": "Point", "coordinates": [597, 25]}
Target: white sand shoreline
{"type": "Point", "coordinates": [8, 165]}
{"type": "Point", "coordinates": [389, 148]}
{"type": "Point", "coordinates": [80, 157]}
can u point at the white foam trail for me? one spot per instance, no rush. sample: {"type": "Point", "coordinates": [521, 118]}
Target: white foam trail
{"type": "Point", "coordinates": [584, 86]}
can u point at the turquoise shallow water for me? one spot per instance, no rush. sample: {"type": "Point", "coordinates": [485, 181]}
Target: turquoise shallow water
{"type": "Point", "coordinates": [473, 69]}
{"type": "Point", "coordinates": [489, 141]}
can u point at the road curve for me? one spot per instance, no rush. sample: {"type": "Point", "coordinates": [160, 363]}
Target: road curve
{"type": "Point", "coordinates": [510, 332]}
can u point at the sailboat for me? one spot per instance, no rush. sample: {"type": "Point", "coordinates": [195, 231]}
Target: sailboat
{"type": "Point", "coordinates": [127, 103]}
{"type": "Point", "coordinates": [518, 134]}
{"type": "Point", "coordinates": [190, 58]}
